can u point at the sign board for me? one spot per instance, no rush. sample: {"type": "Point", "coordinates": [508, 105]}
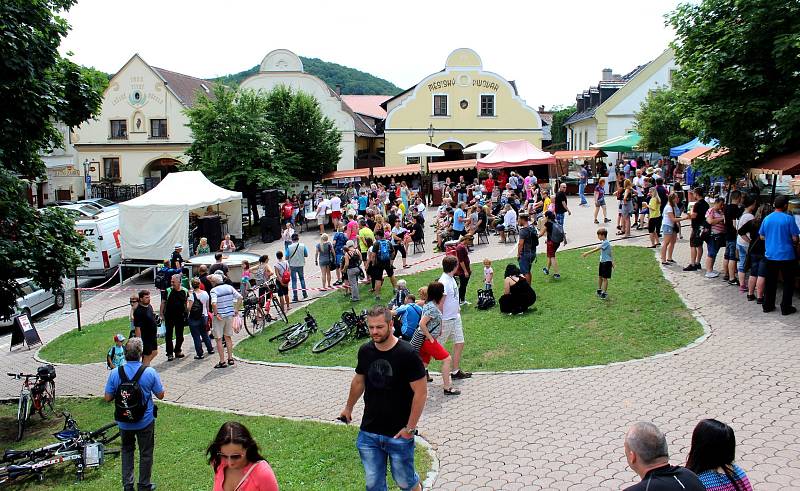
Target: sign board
{"type": "Point", "coordinates": [24, 332]}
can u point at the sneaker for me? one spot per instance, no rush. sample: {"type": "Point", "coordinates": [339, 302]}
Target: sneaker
{"type": "Point", "coordinates": [733, 282]}
{"type": "Point", "coordinates": [750, 298]}
{"type": "Point", "coordinates": [465, 303]}
{"type": "Point", "coordinates": [760, 301]}
{"type": "Point", "coordinates": [545, 271]}
{"type": "Point", "coordinates": [556, 276]}
{"type": "Point", "coordinates": [607, 220]}
{"type": "Point", "coordinates": [742, 288]}
{"type": "Point", "coordinates": [604, 296]}
{"type": "Point", "coordinates": [198, 357]}
{"type": "Point", "coordinates": [170, 358]}
{"type": "Point", "coordinates": [789, 310]}
{"type": "Point", "coordinates": [712, 274]}
{"type": "Point", "coordinates": [179, 355]}
{"type": "Point", "coordinates": [460, 374]}
{"type": "Point", "coordinates": [690, 268]}
{"type": "Point", "coordinates": [599, 292]}
{"type": "Point", "coordinates": [725, 278]}
{"type": "Point", "coordinates": [596, 222]}
{"type": "Point", "coordinates": [211, 352]}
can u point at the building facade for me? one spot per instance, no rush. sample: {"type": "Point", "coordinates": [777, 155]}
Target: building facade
{"type": "Point", "coordinates": [456, 107]}
{"type": "Point", "coordinates": [608, 109]}
{"type": "Point", "coordinates": [141, 133]}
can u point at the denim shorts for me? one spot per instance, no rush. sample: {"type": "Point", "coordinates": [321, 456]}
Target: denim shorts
{"type": "Point", "coordinates": [667, 229]}
{"type": "Point", "coordinates": [730, 250]}
{"type": "Point", "coordinates": [711, 244]}
{"type": "Point", "coordinates": [758, 265]}
{"type": "Point", "coordinates": [525, 261]}
{"type": "Point", "coordinates": [742, 257]}
{"type": "Point", "coordinates": [374, 450]}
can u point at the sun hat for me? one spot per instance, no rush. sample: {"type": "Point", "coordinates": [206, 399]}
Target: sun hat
{"type": "Point", "coordinates": [178, 246]}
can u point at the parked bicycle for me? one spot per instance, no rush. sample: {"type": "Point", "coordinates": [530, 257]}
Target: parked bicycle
{"type": "Point", "coordinates": [351, 324]}
{"type": "Point", "coordinates": [87, 449]}
{"type": "Point", "coordinates": [37, 395]}
{"type": "Point", "coordinates": [294, 335]}
{"type": "Point", "coordinates": [257, 311]}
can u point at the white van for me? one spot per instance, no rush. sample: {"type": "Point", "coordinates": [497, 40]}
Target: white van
{"type": "Point", "coordinates": [102, 231]}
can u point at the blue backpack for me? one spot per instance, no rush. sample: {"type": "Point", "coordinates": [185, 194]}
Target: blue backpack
{"type": "Point", "coordinates": [384, 251]}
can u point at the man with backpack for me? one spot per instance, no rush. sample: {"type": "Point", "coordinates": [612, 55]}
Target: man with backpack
{"type": "Point", "coordinates": [173, 311]}
{"type": "Point", "coordinates": [132, 387]}
{"type": "Point", "coordinates": [555, 236]}
{"type": "Point", "coordinates": [383, 262]}
{"type": "Point", "coordinates": [526, 247]}
{"type": "Point", "coordinates": [198, 319]}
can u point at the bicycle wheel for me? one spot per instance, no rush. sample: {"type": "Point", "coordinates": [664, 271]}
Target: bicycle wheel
{"type": "Point", "coordinates": [23, 411]}
{"type": "Point", "coordinates": [51, 391]}
{"type": "Point", "coordinates": [285, 332]}
{"type": "Point", "coordinates": [252, 324]}
{"type": "Point", "coordinates": [274, 303]}
{"type": "Point", "coordinates": [294, 340]}
{"type": "Point", "coordinates": [332, 338]}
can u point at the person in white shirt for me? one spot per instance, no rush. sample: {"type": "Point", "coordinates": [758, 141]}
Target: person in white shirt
{"type": "Point", "coordinates": [336, 211]}
{"type": "Point", "coordinates": [199, 319]}
{"type": "Point", "coordinates": [509, 222]}
{"type": "Point", "coordinates": [322, 210]}
{"type": "Point", "coordinates": [451, 316]}
{"type": "Point", "coordinates": [638, 187]}
{"type": "Point", "coordinates": [296, 256]}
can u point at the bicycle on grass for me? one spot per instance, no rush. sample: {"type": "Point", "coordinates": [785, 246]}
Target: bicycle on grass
{"type": "Point", "coordinates": [351, 324]}
{"type": "Point", "coordinates": [86, 448]}
{"type": "Point", "coordinates": [294, 335]}
{"type": "Point", "coordinates": [35, 396]}
{"type": "Point", "coordinates": [257, 310]}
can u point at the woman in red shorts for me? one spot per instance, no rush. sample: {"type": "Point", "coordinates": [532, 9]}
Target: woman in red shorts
{"type": "Point", "coordinates": [424, 338]}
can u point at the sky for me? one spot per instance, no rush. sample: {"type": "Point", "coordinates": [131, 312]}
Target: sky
{"type": "Point", "coordinates": [552, 49]}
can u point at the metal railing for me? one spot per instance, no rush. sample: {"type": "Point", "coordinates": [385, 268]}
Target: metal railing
{"type": "Point", "coordinates": [117, 193]}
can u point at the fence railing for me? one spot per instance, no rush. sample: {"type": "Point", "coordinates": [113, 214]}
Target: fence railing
{"type": "Point", "coordinates": [117, 193]}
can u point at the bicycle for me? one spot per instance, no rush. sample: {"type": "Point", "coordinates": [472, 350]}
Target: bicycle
{"type": "Point", "coordinates": [351, 324]}
{"type": "Point", "coordinates": [86, 449]}
{"type": "Point", "coordinates": [296, 334]}
{"type": "Point", "coordinates": [256, 313]}
{"type": "Point", "coordinates": [36, 395]}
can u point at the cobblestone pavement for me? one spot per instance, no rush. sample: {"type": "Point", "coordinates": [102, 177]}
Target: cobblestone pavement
{"type": "Point", "coordinates": [559, 429]}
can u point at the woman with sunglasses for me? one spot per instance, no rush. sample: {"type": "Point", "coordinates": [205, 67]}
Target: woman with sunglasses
{"type": "Point", "coordinates": [134, 301]}
{"type": "Point", "coordinates": [237, 464]}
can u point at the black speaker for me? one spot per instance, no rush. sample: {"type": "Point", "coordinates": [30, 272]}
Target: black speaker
{"type": "Point", "coordinates": [210, 228]}
{"type": "Point", "coordinates": [270, 199]}
{"type": "Point", "coordinates": [270, 229]}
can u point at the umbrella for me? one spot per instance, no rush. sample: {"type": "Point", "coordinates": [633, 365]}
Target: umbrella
{"type": "Point", "coordinates": [482, 147]}
{"type": "Point", "coordinates": [422, 150]}
{"type": "Point", "coordinates": [624, 143]}
{"type": "Point", "coordinates": [515, 153]}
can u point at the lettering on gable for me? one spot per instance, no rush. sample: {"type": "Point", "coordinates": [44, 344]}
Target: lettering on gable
{"type": "Point", "coordinates": [441, 84]}
{"type": "Point", "coordinates": [451, 82]}
{"type": "Point", "coordinates": [486, 84]}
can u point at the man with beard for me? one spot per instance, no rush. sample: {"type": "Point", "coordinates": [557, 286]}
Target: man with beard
{"type": "Point", "coordinates": [392, 379]}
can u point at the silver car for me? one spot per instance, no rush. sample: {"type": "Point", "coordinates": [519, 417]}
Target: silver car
{"type": "Point", "coordinates": [35, 300]}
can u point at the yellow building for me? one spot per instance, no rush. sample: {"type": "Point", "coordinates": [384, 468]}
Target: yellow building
{"type": "Point", "coordinates": [456, 107]}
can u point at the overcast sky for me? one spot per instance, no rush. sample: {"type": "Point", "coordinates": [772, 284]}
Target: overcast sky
{"type": "Point", "coordinates": [553, 49]}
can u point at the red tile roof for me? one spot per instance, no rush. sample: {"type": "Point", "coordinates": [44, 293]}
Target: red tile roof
{"type": "Point", "coordinates": [185, 87]}
{"type": "Point", "coordinates": [369, 105]}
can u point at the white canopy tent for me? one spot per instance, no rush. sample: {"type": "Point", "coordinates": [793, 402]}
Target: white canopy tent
{"type": "Point", "coordinates": [484, 147]}
{"type": "Point", "coordinates": [422, 150]}
{"type": "Point", "coordinates": [153, 223]}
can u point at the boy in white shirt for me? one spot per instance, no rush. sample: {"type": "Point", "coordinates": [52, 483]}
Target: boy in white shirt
{"type": "Point", "coordinates": [451, 315]}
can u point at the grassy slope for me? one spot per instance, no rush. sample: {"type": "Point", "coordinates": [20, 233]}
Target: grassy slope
{"type": "Point", "coordinates": [304, 455]}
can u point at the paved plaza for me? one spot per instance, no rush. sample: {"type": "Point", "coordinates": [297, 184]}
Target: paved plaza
{"type": "Point", "coordinates": [547, 429]}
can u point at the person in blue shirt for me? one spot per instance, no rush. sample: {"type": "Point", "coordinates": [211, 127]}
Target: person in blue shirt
{"type": "Point", "coordinates": [143, 430]}
{"type": "Point", "coordinates": [459, 220]}
{"type": "Point", "coordinates": [606, 262]}
{"type": "Point", "coordinates": [409, 313]}
{"type": "Point", "coordinates": [780, 233]}
{"type": "Point", "coordinates": [115, 357]}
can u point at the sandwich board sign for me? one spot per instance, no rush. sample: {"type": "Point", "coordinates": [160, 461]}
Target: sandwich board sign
{"type": "Point", "coordinates": [24, 332]}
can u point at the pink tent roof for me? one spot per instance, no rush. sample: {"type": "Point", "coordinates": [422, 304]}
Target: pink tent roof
{"type": "Point", "coordinates": [515, 153]}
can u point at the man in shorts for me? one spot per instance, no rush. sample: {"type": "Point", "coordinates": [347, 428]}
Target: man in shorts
{"type": "Point", "coordinates": [451, 316]}
{"type": "Point", "coordinates": [698, 221]}
{"type": "Point", "coordinates": [223, 298]}
{"type": "Point", "coordinates": [382, 264]}
{"type": "Point", "coordinates": [526, 247]}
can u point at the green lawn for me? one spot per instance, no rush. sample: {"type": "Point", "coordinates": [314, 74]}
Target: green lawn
{"type": "Point", "coordinates": [304, 455]}
{"type": "Point", "coordinates": [569, 326]}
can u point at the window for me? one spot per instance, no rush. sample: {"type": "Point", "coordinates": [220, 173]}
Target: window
{"type": "Point", "coordinates": [487, 105]}
{"type": "Point", "coordinates": [158, 128]}
{"type": "Point", "coordinates": [119, 129]}
{"type": "Point", "coordinates": [412, 160]}
{"type": "Point", "coordinates": [672, 72]}
{"type": "Point", "coordinates": [111, 168]}
{"type": "Point", "coordinates": [440, 105]}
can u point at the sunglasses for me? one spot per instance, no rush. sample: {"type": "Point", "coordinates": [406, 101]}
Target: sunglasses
{"type": "Point", "coordinates": [236, 456]}
{"type": "Point", "coordinates": [134, 301]}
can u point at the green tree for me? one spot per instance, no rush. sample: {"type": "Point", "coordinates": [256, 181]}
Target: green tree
{"type": "Point", "coordinates": [233, 144]}
{"type": "Point", "coordinates": [37, 88]}
{"type": "Point", "coordinates": [740, 61]}
{"type": "Point", "coordinates": [558, 131]}
{"type": "Point", "coordinates": [659, 121]}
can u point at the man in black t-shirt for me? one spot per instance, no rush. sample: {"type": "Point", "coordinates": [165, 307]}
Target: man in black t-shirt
{"type": "Point", "coordinates": [144, 325]}
{"type": "Point", "coordinates": [698, 216]}
{"type": "Point", "coordinates": [732, 214]}
{"type": "Point", "coordinates": [562, 208]}
{"type": "Point", "coordinates": [648, 456]}
{"type": "Point", "coordinates": [392, 379]}
{"type": "Point", "coordinates": [174, 311]}
{"type": "Point", "coordinates": [176, 260]}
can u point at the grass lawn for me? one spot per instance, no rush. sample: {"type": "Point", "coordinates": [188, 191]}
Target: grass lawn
{"type": "Point", "coordinates": [304, 455]}
{"type": "Point", "coordinates": [568, 327]}
{"type": "Point", "coordinates": [91, 344]}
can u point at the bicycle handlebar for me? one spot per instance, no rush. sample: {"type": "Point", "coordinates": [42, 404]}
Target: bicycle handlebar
{"type": "Point", "coordinates": [21, 375]}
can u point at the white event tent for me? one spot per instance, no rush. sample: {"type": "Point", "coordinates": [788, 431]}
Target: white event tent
{"type": "Point", "coordinates": [153, 223]}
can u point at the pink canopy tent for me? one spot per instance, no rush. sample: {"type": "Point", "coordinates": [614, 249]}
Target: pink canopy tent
{"type": "Point", "coordinates": [515, 153]}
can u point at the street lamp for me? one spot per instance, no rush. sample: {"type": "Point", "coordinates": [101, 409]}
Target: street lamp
{"type": "Point", "coordinates": [430, 133]}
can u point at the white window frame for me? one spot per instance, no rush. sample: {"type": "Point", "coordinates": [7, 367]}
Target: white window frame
{"type": "Point", "coordinates": [494, 105]}
{"type": "Point", "coordinates": [433, 105]}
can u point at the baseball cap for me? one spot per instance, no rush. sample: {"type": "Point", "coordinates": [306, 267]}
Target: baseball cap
{"type": "Point", "coordinates": [119, 337]}
{"type": "Point", "coordinates": [178, 246]}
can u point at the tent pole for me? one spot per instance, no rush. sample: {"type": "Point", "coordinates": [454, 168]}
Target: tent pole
{"type": "Point", "coordinates": [774, 185]}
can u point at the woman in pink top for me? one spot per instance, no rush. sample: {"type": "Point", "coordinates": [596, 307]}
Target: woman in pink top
{"type": "Point", "coordinates": [352, 229]}
{"type": "Point", "coordinates": [237, 464]}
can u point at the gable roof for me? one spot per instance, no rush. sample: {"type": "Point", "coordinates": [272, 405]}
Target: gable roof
{"type": "Point", "coordinates": [185, 87]}
{"type": "Point", "coordinates": [368, 105]}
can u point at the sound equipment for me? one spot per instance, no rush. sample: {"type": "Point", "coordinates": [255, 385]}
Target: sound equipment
{"type": "Point", "coordinates": [270, 229]}
{"type": "Point", "coordinates": [210, 228]}
{"type": "Point", "coordinates": [271, 200]}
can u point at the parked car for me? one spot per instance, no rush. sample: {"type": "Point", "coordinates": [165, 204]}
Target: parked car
{"type": "Point", "coordinates": [102, 203]}
{"type": "Point", "coordinates": [85, 210]}
{"type": "Point", "coordinates": [35, 300]}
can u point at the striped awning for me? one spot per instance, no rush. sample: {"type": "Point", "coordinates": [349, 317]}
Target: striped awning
{"type": "Point", "coordinates": [396, 170]}
{"type": "Point", "coordinates": [346, 174]}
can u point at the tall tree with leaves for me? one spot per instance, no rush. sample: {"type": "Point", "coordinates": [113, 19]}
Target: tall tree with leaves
{"type": "Point", "coordinates": [659, 121]}
{"type": "Point", "coordinates": [740, 76]}
{"type": "Point", "coordinates": [37, 88]}
{"type": "Point", "coordinates": [233, 144]}
{"type": "Point", "coordinates": [558, 131]}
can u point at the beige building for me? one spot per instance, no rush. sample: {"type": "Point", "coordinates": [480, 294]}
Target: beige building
{"type": "Point", "coordinates": [141, 133]}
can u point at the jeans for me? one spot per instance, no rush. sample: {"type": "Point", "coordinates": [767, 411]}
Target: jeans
{"type": "Point", "coordinates": [174, 327]}
{"type": "Point", "coordinates": [462, 197]}
{"type": "Point", "coordinates": [787, 270]}
{"type": "Point", "coordinates": [146, 440]}
{"type": "Point", "coordinates": [375, 448]}
{"type": "Point", "coordinates": [742, 250]}
{"type": "Point", "coordinates": [560, 219]}
{"type": "Point", "coordinates": [463, 281]}
{"type": "Point", "coordinates": [197, 328]}
{"type": "Point", "coordinates": [581, 190]}
{"type": "Point", "coordinates": [297, 271]}
{"type": "Point", "coordinates": [352, 278]}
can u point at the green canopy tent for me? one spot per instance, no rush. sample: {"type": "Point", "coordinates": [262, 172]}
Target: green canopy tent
{"type": "Point", "coordinates": [624, 143]}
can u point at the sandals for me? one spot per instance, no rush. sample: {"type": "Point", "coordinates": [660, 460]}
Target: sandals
{"type": "Point", "coordinates": [230, 362]}
{"type": "Point", "coordinates": [452, 391]}
{"type": "Point", "coordinates": [221, 364]}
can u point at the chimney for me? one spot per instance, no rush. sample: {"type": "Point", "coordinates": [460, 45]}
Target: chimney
{"type": "Point", "coordinates": [579, 103]}
{"type": "Point", "coordinates": [606, 74]}
{"type": "Point", "coordinates": [338, 89]}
